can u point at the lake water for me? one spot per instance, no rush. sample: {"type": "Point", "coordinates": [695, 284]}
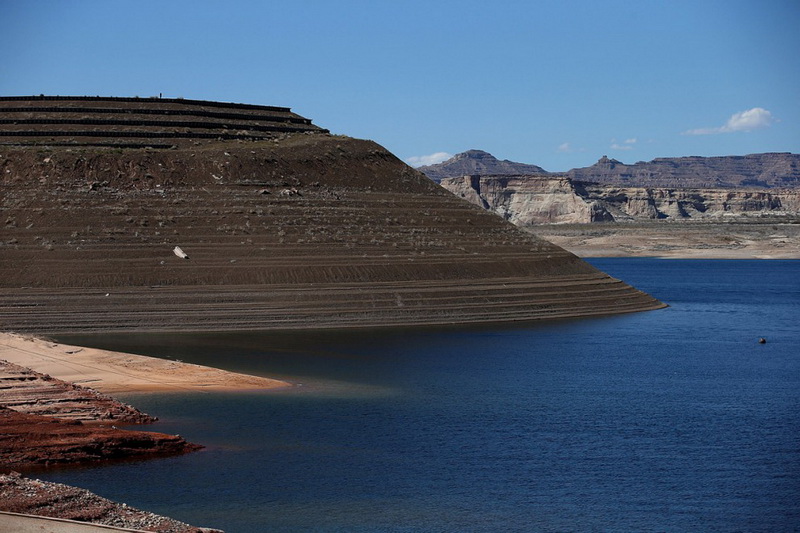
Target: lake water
{"type": "Point", "coordinates": [671, 420]}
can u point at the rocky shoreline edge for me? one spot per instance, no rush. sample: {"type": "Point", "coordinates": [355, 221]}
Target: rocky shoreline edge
{"type": "Point", "coordinates": [26, 496]}
{"type": "Point", "coordinates": [34, 441]}
{"type": "Point", "coordinates": [48, 422]}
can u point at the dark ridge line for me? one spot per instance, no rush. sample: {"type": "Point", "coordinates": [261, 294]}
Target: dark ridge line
{"type": "Point", "coordinates": [171, 112]}
{"type": "Point", "coordinates": [152, 135]}
{"type": "Point", "coordinates": [147, 123]}
{"type": "Point", "coordinates": [207, 103]}
{"type": "Point", "coordinates": [133, 146]}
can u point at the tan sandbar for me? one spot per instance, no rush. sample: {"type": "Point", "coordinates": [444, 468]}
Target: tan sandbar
{"type": "Point", "coordinates": [115, 372]}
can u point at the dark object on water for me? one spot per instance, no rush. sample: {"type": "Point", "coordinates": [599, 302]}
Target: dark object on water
{"type": "Point", "coordinates": [762, 340]}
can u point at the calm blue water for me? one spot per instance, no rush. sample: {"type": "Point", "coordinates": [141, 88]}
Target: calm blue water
{"type": "Point", "coordinates": [672, 420]}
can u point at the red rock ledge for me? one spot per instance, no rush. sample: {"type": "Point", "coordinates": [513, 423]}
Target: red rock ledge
{"type": "Point", "coordinates": [30, 441]}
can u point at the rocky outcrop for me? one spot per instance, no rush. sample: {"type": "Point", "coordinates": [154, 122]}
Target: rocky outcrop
{"type": "Point", "coordinates": [477, 162]}
{"type": "Point", "coordinates": [528, 200]}
{"type": "Point", "coordinates": [75, 121]}
{"type": "Point", "coordinates": [46, 421]}
{"type": "Point", "coordinates": [31, 441]}
{"type": "Point", "coordinates": [552, 199]}
{"type": "Point", "coordinates": [22, 495]}
{"type": "Point", "coordinates": [26, 391]}
{"type": "Point", "coordinates": [631, 203]}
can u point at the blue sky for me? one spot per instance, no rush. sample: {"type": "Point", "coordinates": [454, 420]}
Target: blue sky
{"type": "Point", "coordinates": [553, 83]}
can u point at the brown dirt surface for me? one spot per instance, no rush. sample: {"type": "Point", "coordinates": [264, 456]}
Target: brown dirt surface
{"type": "Point", "coordinates": [305, 231]}
{"type": "Point", "coordinates": [22, 495]}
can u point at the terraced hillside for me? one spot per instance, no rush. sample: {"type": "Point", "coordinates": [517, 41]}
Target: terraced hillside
{"type": "Point", "coordinates": [281, 229]}
{"type": "Point", "coordinates": [138, 122]}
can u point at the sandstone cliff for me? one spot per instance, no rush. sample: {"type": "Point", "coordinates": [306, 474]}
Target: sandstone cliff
{"type": "Point", "coordinates": [553, 199]}
{"type": "Point", "coordinates": [527, 200]}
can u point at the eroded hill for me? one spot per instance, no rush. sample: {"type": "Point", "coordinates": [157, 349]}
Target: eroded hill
{"type": "Point", "coordinates": [281, 230]}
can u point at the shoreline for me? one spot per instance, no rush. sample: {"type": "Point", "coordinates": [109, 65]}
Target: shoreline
{"type": "Point", "coordinates": [762, 239]}
{"type": "Point", "coordinates": [745, 255]}
{"type": "Point", "coordinates": [116, 372]}
{"type": "Point", "coordinates": [46, 428]}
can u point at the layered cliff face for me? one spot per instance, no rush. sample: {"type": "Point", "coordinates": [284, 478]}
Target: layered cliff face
{"type": "Point", "coordinates": [551, 199]}
{"type": "Point", "coordinates": [666, 188]}
{"type": "Point", "coordinates": [763, 171]}
{"type": "Point", "coordinates": [278, 230]}
{"type": "Point", "coordinates": [632, 203]}
{"type": "Point", "coordinates": [526, 200]}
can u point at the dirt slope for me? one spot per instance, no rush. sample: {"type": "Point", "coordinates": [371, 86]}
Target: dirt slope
{"type": "Point", "coordinates": [299, 230]}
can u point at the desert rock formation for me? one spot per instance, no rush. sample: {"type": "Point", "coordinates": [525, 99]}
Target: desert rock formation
{"type": "Point", "coordinates": [764, 171]}
{"type": "Point", "coordinates": [46, 421]}
{"type": "Point", "coordinates": [281, 230]}
{"type": "Point", "coordinates": [29, 441]}
{"type": "Point", "coordinates": [30, 392]}
{"type": "Point", "coordinates": [477, 163]}
{"type": "Point", "coordinates": [726, 207]}
{"type": "Point", "coordinates": [554, 199]}
{"type": "Point", "coordinates": [754, 171]}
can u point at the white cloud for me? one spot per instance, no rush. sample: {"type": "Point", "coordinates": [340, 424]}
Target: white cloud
{"type": "Point", "coordinates": [567, 148]}
{"type": "Point", "coordinates": [432, 159]}
{"type": "Point", "coordinates": [752, 119]}
{"type": "Point", "coordinates": [627, 144]}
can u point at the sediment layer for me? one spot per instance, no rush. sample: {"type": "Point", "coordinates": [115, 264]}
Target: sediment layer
{"type": "Point", "coordinates": [138, 122]}
{"type": "Point", "coordinates": [301, 230]}
{"type": "Point", "coordinates": [34, 393]}
{"type": "Point", "coordinates": [46, 421]}
{"type": "Point", "coordinates": [30, 441]}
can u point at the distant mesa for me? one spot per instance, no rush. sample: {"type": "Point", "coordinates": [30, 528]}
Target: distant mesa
{"type": "Point", "coordinates": [768, 170]}
{"type": "Point", "coordinates": [709, 188]}
{"type": "Point", "coordinates": [477, 162]}
{"type": "Point", "coordinates": [286, 225]}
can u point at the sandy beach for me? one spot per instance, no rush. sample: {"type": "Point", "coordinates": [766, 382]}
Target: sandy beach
{"type": "Point", "coordinates": [114, 372]}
